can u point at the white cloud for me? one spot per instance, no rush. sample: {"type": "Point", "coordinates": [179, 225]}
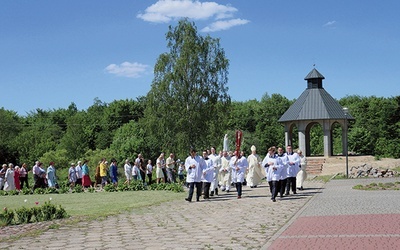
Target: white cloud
{"type": "Point", "coordinates": [166, 10]}
{"type": "Point", "coordinates": [224, 25]}
{"type": "Point", "coordinates": [127, 69]}
{"type": "Point", "coordinates": [330, 23]}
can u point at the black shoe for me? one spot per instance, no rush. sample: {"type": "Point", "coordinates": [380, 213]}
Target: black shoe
{"type": "Point", "coordinates": [187, 199]}
{"type": "Point", "coordinates": [294, 192]}
{"type": "Point", "coordinates": [227, 191]}
{"type": "Point", "coordinates": [251, 186]}
{"type": "Point", "coordinates": [212, 193]}
{"type": "Point", "coordinates": [255, 186]}
{"type": "Point", "coordinates": [301, 188]}
{"type": "Point", "coordinates": [273, 200]}
{"type": "Point", "coordinates": [216, 191]}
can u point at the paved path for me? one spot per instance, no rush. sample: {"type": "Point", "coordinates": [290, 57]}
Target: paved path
{"type": "Point", "coordinates": [330, 216]}
{"type": "Point", "coordinates": [343, 218]}
{"type": "Point", "coordinates": [224, 222]}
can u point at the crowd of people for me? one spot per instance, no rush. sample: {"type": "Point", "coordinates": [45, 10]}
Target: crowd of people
{"type": "Point", "coordinates": [208, 172]}
{"type": "Point", "coordinates": [284, 172]}
{"type": "Point", "coordinates": [13, 177]}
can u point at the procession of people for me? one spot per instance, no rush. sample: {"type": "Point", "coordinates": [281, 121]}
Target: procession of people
{"type": "Point", "coordinates": [209, 173]}
{"type": "Point", "coordinates": [284, 172]}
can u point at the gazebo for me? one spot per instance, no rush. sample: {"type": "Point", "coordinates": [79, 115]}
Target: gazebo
{"type": "Point", "coordinates": [315, 106]}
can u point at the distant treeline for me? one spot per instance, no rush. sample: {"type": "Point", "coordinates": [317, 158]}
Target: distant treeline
{"type": "Point", "coordinates": [120, 129]}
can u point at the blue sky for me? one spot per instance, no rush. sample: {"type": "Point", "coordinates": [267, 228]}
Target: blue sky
{"type": "Point", "coordinates": [53, 53]}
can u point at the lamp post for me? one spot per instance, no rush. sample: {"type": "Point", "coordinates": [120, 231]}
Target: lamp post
{"type": "Point", "coordinates": [346, 112]}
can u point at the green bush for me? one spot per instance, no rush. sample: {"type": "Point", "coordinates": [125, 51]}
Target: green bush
{"type": "Point", "coordinates": [26, 191]}
{"type": "Point", "coordinates": [51, 190]}
{"type": "Point", "coordinates": [48, 211]}
{"type": "Point", "coordinates": [63, 190]}
{"type": "Point", "coordinates": [39, 191]}
{"type": "Point", "coordinates": [110, 188]}
{"type": "Point", "coordinates": [7, 217]}
{"type": "Point", "coordinates": [24, 215]}
{"type": "Point", "coordinates": [77, 189]}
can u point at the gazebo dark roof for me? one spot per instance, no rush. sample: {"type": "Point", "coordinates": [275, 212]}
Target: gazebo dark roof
{"type": "Point", "coordinates": [314, 103]}
{"type": "Point", "coordinates": [314, 74]}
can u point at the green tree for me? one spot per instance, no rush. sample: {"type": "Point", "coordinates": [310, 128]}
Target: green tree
{"type": "Point", "coordinates": [188, 97]}
{"type": "Point", "coordinates": [74, 139]}
{"type": "Point", "coordinates": [39, 135]}
{"type": "Point", "coordinates": [128, 141]}
{"type": "Point", "coordinates": [10, 127]}
{"type": "Point", "coordinates": [269, 130]}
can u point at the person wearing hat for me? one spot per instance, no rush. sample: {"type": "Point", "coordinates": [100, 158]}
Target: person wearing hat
{"type": "Point", "coordinates": [72, 175]}
{"type": "Point", "coordinates": [255, 172]}
{"type": "Point", "coordinates": [194, 165]}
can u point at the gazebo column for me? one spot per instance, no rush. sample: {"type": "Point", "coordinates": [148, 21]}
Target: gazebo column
{"type": "Point", "coordinates": [288, 134]}
{"type": "Point", "coordinates": [327, 138]}
{"type": "Point", "coordinates": [302, 137]}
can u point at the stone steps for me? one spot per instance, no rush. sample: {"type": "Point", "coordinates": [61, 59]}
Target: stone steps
{"type": "Point", "coordinates": [315, 165]}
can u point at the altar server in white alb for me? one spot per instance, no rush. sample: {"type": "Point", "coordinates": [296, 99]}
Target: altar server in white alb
{"type": "Point", "coordinates": [208, 173]}
{"type": "Point", "coordinates": [283, 179]}
{"type": "Point", "coordinates": [269, 161]}
{"type": "Point", "coordinates": [225, 172]}
{"type": "Point", "coordinates": [238, 165]}
{"type": "Point", "coordinates": [217, 165]}
{"type": "Point", "coordinates": [274, 175]}
{"type": "Point", "coordinates": [194, 165]}
{"type": "Point", "coordinates": [292, 169]}
{"type": "Point", "coordinates": [255, 172]}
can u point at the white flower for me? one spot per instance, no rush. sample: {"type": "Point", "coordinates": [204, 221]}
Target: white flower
{"type": "Point", "coordinates": [25, 200]}
{"type": "Point", "coordinates": [50, 198]}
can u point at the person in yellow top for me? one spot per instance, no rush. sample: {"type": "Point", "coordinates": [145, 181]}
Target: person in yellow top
{"type": "Point", "coordinates": [103, 172]}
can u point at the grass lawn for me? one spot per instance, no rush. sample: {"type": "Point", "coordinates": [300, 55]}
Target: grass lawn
{"type": "Point", "coordinates": [92, 205]}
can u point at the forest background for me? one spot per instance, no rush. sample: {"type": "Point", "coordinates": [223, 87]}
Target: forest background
{"type": "Point", "coordinates": [188, 105]}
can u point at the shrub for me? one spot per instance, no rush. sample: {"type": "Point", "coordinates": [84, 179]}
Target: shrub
{"type": "Point", "coordinates": [37, 214]}
{"type": "Point", "coordinates": [24, 215]}
{"type": "Point", "coordinates": [60, 213]}
{"type": "Point", "coordinates": [48, 211]}
{"type": "Point", "coordinates": [13, 192]}
{"type": "Point", "coordinates": [39, 191]}
{"type": "Point", "coordinates": [25, 191]}
{"type": "Point", "coordinates": [7, 216]}
{"type": "Point", "coordinates": [63, 190]}
{"type": "Point", "coordinates": [51, 190]}
{"type": "Point", "coordinates": [110, 188]}
{"type": "Point", "coordinates": [77, 189]}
